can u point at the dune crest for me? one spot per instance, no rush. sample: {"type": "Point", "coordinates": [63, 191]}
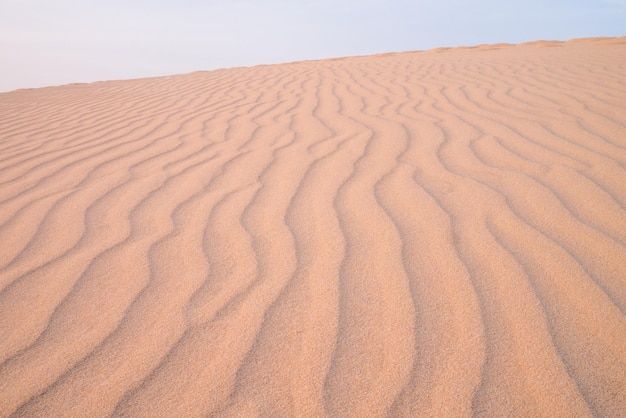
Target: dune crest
{"type": "Point", "coordinates": [411, 234]}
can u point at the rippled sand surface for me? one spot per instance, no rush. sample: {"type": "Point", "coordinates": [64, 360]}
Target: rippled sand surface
{"type": "Point", "coordinates": [436, 233]}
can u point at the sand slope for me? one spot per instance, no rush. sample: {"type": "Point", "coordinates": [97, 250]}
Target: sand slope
{"type": "Point", "coordinates": [437, 233]}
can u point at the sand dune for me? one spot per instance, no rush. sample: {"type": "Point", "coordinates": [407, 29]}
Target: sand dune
{"type": "Point", "coordinates": [437, 233]}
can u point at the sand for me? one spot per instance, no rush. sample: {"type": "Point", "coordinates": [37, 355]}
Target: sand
{"type": "Point", "coordinates": [434, 233]}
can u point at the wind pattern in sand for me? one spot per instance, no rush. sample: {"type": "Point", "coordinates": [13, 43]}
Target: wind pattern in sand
{"type": "Point", "coordinates": [438, 233]}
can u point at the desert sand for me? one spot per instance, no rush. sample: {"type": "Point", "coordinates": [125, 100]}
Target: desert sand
{"type": "Point", "coordinates": [431, 233]}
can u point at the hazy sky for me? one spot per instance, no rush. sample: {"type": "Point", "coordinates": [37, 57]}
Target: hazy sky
{"type": "Point", "coordinates": [48, 42]}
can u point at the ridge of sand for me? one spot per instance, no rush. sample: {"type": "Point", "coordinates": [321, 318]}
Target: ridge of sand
{"type": "Point", "coordinates": [432, 234]}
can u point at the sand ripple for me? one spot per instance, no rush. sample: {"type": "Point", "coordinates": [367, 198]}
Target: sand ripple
{"type": "Point", "coordinates": [438, 233]}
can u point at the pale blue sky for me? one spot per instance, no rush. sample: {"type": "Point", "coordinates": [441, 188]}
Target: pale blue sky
{"type": "Point", "coordinates": [49, 42]}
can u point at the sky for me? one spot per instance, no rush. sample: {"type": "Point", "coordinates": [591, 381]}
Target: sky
{"type": "Point", "coordinates": [52, 42]}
